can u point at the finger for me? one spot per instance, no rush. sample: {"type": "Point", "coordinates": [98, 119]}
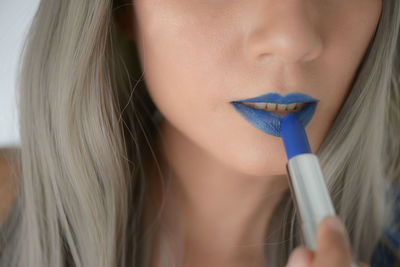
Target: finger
{"type": "Point", "coordinates": [333, 246]}
{"type": "Point", "coordinates": [300, 257]}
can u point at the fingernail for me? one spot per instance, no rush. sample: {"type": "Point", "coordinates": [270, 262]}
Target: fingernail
{"type": "Point", "coordinates": [335, 224]}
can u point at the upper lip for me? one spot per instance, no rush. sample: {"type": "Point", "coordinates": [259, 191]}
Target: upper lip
{"type": "Point", "coordinates": [279, 99]}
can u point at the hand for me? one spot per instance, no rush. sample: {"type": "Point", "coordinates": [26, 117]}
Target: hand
{"type": "Point", "coordinates": [332, 248]}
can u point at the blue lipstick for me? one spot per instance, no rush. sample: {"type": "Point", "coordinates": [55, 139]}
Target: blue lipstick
{"type": "Point", "coordinates": [306, 181]}
{"type": "Point", "coordinates": [270, 122]}
{"type": "Point", "coordinates": [294, 137]}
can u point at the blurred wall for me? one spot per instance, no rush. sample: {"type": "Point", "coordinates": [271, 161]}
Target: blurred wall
{"type": "Point", "coordinates": [15, 18]}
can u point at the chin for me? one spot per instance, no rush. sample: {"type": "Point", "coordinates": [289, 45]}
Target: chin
{"type": "Point", "coordinates": [256, 162]}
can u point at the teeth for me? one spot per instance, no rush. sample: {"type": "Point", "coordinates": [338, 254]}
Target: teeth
{"type": "Point", "coordinates": [282, 107]}
{"type": "Point", "coordinates": [276, 107]}
{"type": "Point", "coordinates": [259, 105]}
{"type": "Point", "coordinates": [271, 106]}
{"type": "Point", "coordinates": [291, 107]}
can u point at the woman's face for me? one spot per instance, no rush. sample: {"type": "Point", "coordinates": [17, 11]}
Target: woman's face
{"type": "Point", "coordinates": [198, 55]}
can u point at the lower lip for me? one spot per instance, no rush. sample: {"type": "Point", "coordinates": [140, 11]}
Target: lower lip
{"type": "Point", "coordinates": [269, 122]}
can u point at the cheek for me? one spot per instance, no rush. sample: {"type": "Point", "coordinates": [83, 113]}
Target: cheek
{"type": "Point", "coordinates": [345, 48]}
{"type": "Point", "coordinates": [196, 109]}
{"type": "Point", "coordinates": [192, 102]}
{"type": "Point", "coordinates": [218, 132]}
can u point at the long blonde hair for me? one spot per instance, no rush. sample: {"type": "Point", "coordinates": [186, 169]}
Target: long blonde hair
{"type": "Point", "coordinates": [87, 137]}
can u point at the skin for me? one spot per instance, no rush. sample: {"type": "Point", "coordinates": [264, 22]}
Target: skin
{"type": "Point", "coordinates": [197, 56]}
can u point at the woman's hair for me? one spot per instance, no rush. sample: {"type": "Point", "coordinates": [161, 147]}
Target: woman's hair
{"type": "Point", "coordinates": [88, 138]}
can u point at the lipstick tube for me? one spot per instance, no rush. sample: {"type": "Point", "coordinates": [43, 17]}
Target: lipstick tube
{"type": "Point", "coordinates": [306, 181]}
{"type": "Point", "coordinates": [309, 193]}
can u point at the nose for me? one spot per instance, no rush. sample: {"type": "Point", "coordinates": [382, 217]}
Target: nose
{"type": "Point", "coordinates": [285, 29]}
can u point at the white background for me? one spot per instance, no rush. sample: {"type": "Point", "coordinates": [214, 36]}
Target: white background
{"type": "Point", "coordinates": [15, 19]}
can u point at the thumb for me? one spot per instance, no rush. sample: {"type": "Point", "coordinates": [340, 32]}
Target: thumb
{"type": "Point", "coordinates": [300, 257]}
{"type": "Point", "coordinates": [333, 245]}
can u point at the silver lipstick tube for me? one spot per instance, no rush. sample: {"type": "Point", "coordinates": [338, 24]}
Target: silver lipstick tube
{"type": "Point", "coordinates": [310, 195]}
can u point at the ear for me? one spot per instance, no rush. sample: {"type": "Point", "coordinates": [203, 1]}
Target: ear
{"type": "Point", "coordinates": [124, 15]}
